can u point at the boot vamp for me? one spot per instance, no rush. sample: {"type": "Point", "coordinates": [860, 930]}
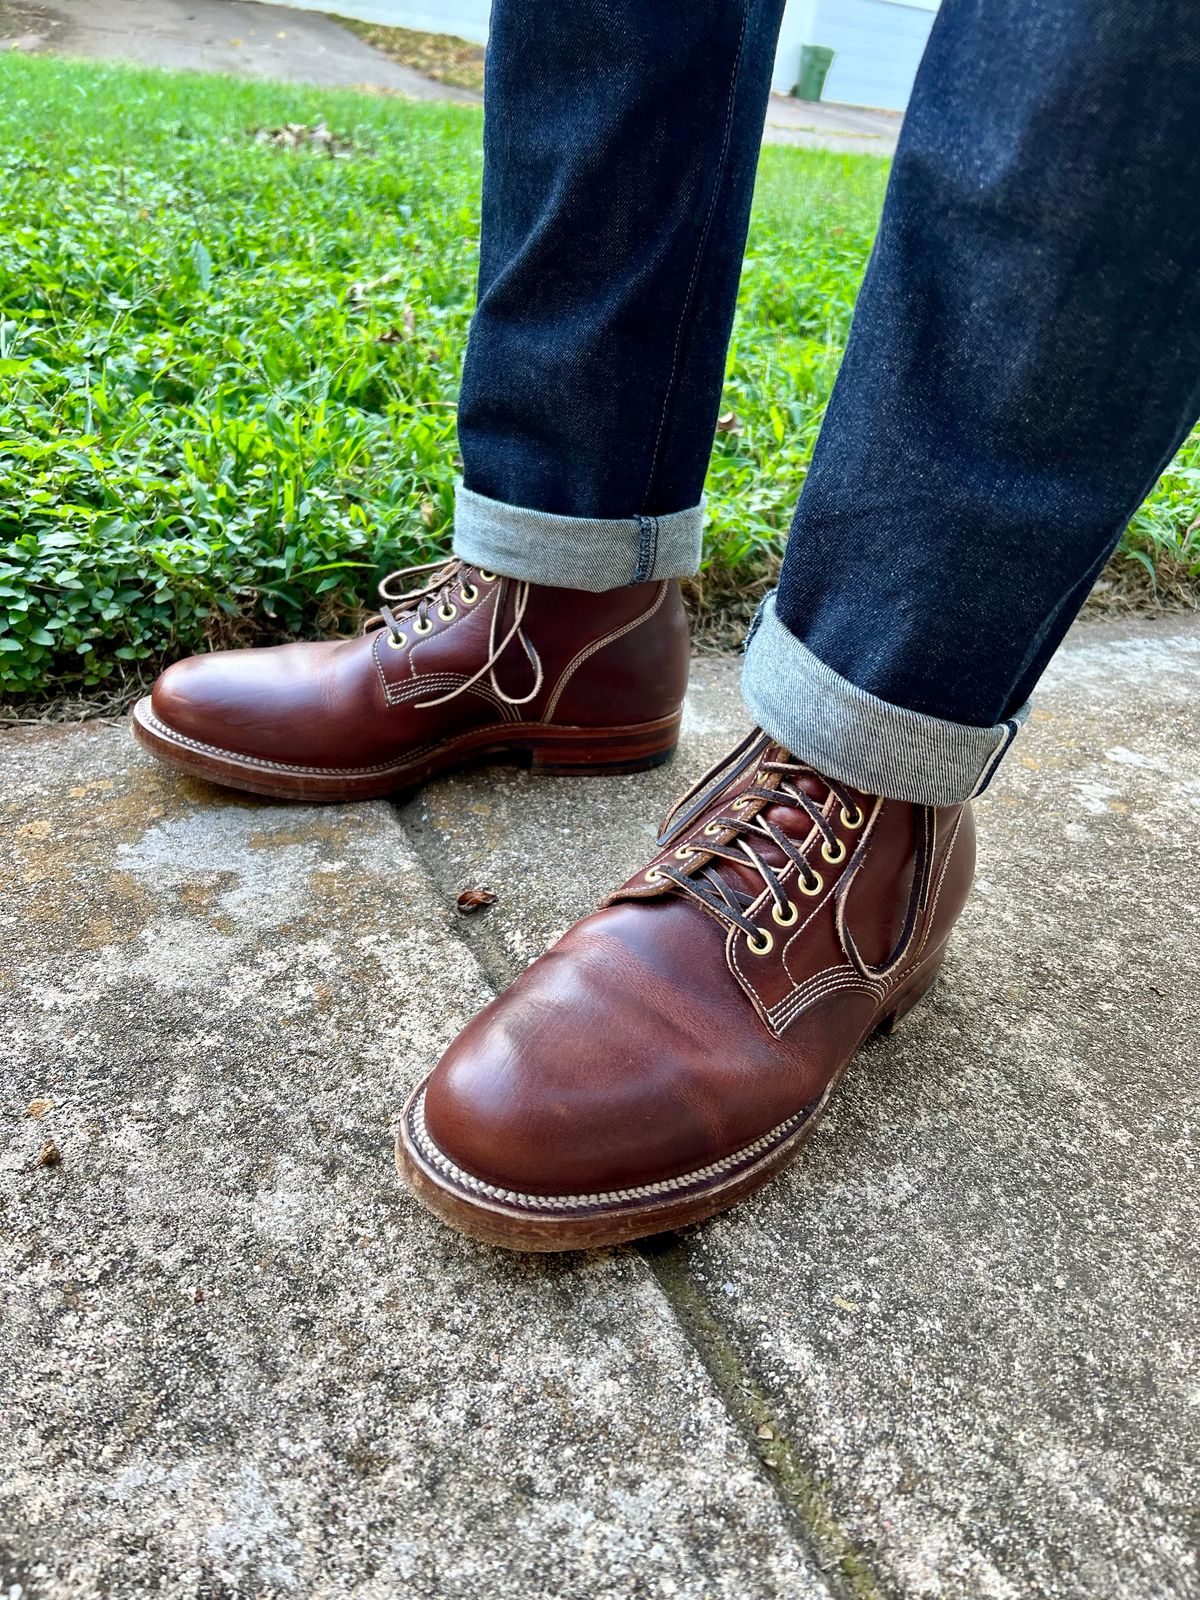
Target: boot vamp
{"type": "Point", "coordinates": [627, 1055]}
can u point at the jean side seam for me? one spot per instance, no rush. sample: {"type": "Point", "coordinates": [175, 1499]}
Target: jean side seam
{"type": "Point", "coordinates": [644, 564]}
{"type": "Point", "coordinates": [703, 241]}
{"type": "Point", "coordinates": [1012, 727]}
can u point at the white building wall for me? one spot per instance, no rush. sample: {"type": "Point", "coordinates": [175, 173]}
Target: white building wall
{"type": "Point", "coordinates": [876, 44]}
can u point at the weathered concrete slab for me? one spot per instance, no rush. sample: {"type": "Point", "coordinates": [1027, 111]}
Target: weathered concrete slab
{"type": "Point", "coordinates": [237, 1360]}
{"type": "Point", "coordinates": [971, 1311]}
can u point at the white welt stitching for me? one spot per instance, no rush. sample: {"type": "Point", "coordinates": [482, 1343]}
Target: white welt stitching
{"type": "Point", "coordinates": [574, 1202]}
{"type": "Point", "coordinates": [256, 763]}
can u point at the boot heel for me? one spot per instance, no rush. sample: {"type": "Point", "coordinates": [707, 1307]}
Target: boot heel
{"type": "Point", "coordinates": [909, 995]}
{"type": "Point", "coordinates": [605, 750]}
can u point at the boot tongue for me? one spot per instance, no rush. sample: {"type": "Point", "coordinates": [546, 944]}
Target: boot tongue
{"type": "Point", "coordinates": [791, 819]}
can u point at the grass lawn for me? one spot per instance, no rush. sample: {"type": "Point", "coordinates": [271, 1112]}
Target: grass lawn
{"type": "Point", "coordinates": [229, 365]}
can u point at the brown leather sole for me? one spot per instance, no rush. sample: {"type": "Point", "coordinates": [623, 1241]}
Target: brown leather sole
{"type": "Point", "coordinates": [545, 747]}
{"type": "Point", "coordinates": [586, 1222]}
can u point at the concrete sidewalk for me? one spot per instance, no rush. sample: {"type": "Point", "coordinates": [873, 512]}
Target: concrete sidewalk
{"type": "Point", "coordinates": [952, 1354]}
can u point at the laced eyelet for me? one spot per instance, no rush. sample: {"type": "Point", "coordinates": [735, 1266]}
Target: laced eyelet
{"type": "Point", "coordinates": [468, 594]}
{"type": "Point", "coordinates": [422, 627]}
{"type": "Point", "coordinates": [762, 945]}
{"type": "Point", "coordinates": [653, 875]}
{"type": "Point", "coordinates": [712, 830]}
{"type": "Point", "coordinates": [488, 577]}
{"type": "Point", "coordinates": [740, 804]}
{"type": "Point", "coordinates": [788, 917]}
{"type": "Point", "coordinates": [811, 889]}
{"type": "Point", "coordinates": [684, 851]}
{"type": "Point", "coordinates": [396, 644]}
{"type": "Point", "coordinates": [855, 821]}
{"type": "Point", "coordinates": [834, 856]}
{"type": "Point", "coordinates": [447, 612]}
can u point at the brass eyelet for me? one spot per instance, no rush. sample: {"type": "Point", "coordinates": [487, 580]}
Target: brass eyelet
{"type": "Point", "coordinates": [422, 627]}
{"type": "Point", "coordinates": [855, 821]}
{"type": "Point", "coordinates": [396, 644]}
{"type": "Point", "coordinates": [488, 577]}
{"type": "Point", "coordinates": [811, 889]}
{"type": "Point", "coordinates": [833, 857]}
{"type": "Point", "coordinates": [712, 830]}
{"type": "Point", "coordinates": [684, 851]}
{"type": "Point", "coordinates": [653, 875]}
{"type": "Point", "coordinates": [762, 945]}
{"type": "Point", "coordinates": [740, 804]}
{"type": "Point", "coordinates": [787, 918]}
{"type": "Point", "coordinates": [468, 594]}
{"type": "Point", "coordinates": [447, 612]}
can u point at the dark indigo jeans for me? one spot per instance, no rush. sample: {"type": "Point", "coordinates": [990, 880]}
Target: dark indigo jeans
{"type": "Point", "coordinates": [1024, 359]}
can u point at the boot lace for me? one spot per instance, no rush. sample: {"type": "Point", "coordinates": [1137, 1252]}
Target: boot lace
{"type": "Point", "coordinates": [738, 838]}
{"type": "Point", "coordinates": [446, 579]}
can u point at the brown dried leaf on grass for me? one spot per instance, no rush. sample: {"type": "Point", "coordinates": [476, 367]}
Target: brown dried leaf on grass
{"type": "Point", "coordinates": [399, 335]}
{"type": "Point", "coordinates": [362, 288]}
{"type": "Point", "coordinates": [300, 136]}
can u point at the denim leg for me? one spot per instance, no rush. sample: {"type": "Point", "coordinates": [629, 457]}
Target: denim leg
{"type": "Point", "coordinates": [621, 140]}
{"type": "Point", "coordinates": [1024, 361]}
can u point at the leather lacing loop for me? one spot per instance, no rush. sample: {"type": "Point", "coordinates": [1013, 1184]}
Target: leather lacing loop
{"type": "Point", "coordinates": [453, 580]}
{"type": "Point", "coordinates": [773, 785]}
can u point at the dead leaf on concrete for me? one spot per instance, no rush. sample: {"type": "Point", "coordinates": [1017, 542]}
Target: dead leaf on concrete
{"type": "Point", "coordinates": [473, 900]}
{"type": "Point", "coordinates": [39, 1108]}
{"type": "Point", "coordinates": [50, 1155]}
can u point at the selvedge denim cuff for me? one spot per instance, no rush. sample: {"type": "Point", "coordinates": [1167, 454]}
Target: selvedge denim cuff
{"type": "Point", "coordinates": [575, 552]}
{"type": "Point", "coordinates": [848, 734]}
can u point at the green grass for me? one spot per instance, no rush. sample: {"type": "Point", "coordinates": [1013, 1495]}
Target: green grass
{"type": "Point", "coordinates": [228, 368]}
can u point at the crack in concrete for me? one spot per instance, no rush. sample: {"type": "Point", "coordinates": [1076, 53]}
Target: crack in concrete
{"type": "Point", "coordinates": [805, 1499]}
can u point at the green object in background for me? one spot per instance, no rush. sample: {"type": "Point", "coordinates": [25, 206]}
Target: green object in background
{"type": "Point", "coordinates": [815, 62]}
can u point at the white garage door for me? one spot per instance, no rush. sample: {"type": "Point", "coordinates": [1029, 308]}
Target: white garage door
{"type": "Point", "coordinates": [877, 45]}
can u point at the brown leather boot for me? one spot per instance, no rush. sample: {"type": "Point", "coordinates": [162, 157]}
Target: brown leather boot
{"type": "Point", "coordinates": [677, 1047]}
{"type": "Point", "coordinates": [470, 665]}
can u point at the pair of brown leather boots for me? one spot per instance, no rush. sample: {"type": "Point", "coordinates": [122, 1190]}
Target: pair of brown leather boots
{"type": "Point", "coordinates": [677, 1046]}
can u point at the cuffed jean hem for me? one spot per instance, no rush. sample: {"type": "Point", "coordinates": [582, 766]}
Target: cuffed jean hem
{"type": "Point", "coordinates": [850, 735]}
{"type": "Point", "coordinates": [575, 552]}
